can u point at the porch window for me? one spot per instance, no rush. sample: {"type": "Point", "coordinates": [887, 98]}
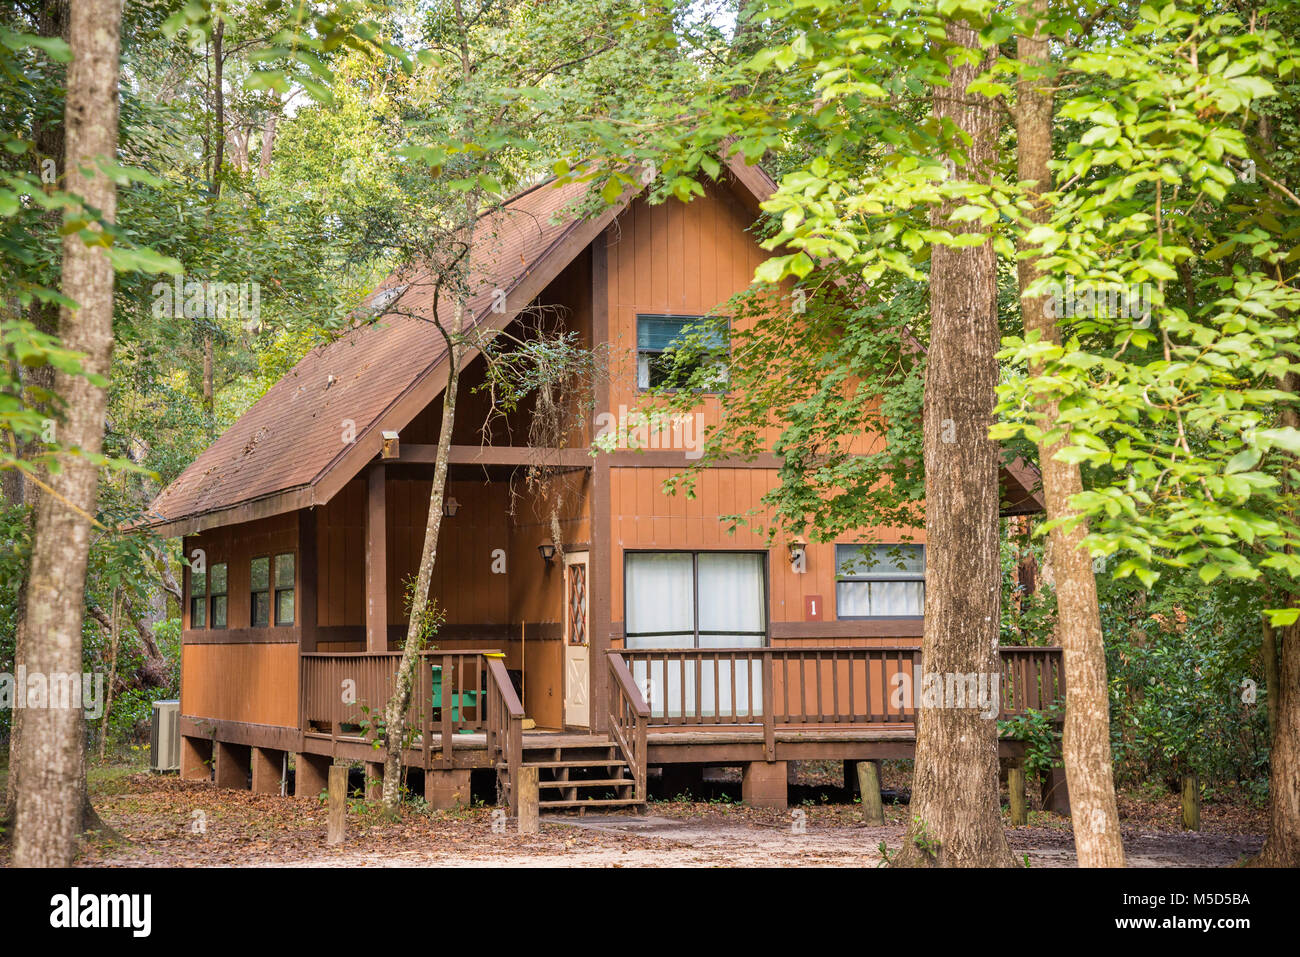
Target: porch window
{"type": "Point", "coordinates": [198, 599]}
{"type": "Point", "coordinates": [695, 600]}
{"type": "Point", "coordinates": [284, 589]}
{"type": "Point", "coordinates": [880, 581]}
{"type": "Point", "coordinates": [658, 336]}
{"type": "Point", "coordinates": [218, 597]}
{"type": "Point", "coordinates": [260, 589]}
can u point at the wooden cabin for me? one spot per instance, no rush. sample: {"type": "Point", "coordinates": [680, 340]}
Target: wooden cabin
{"type": "Point", "coordinates": [648, 637]}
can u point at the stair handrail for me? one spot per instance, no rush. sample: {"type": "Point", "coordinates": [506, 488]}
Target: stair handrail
{"type": "Point", "coordinates": [628, 716]}
{"type": "Point", "coordinates": [505, 727]}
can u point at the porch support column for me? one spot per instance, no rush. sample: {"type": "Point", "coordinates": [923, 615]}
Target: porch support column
{"type": "Point", "coordinates": [232, 765]}
{"type": "Point", "coordinates": [268, 770]}
{"type": "Point", "coordinates": [196, 758]}
{"type": "Point", "coordinates": [763, 784]}
{"type": "Point", "coordinates": [376, 562]}
{"type": "Point", "coordinates": [600, 571]}
{"type": "Point", "coordinates": [311, 772]}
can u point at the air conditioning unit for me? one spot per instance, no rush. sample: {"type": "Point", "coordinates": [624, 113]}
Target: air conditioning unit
{"type": "Point", "coordinates": [165, 737]}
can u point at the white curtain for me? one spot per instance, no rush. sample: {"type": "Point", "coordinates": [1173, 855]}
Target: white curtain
{"type": "Point", "coordinates": [662, 592]}
{"type": "Point", "coordinates": [660, 599]}
{"type": "Point", "coordinates": [897, 599]}
{"type": "Point", "coordinates": [731, 597]}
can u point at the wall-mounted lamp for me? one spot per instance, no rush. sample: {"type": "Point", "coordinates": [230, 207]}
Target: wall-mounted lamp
{"type": "Point", "coordinates": [390, 446]}
{"type": "Point", "coordinates": [450, 507]}
{"type": "Point", "coordinates": [798, 556]}
{"type": "Point", "coordinates": [547, 550]}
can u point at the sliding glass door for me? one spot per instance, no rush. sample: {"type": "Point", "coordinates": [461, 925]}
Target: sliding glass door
{"type": "Point", "coordinates": [696, 600]}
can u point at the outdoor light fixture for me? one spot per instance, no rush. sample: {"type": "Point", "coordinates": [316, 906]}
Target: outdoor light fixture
{"type": "Point", "coordinates": [799, 556]}
{"type": "Point", "coordinates": [547, 551]}
{"type": "Point", "coordinates": [450, 507]}
{"type": "Point", "coordinates": [390, 447]}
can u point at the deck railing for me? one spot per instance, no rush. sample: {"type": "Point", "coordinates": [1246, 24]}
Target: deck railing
{"type": "Point", "coordinates": [629, 716]}
{"type": "Point", "coordinates": [505, 731]}
{"type": "Point", "coordinates": [348, 692]}
{"type": "Point", "coordinates": [815, 687]}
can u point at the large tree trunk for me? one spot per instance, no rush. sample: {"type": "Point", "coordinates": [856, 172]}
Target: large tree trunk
{"type": "Point", "coordinates": [956, 818]}
{"type": "Point", "coordinates": [1282, 845]}
{"type": "Point", "coordinates": [51, 786]}
{"type": "Point", "coordinates": [1086, 746]}
{"type": "Point", "coordinates": [52, 21]}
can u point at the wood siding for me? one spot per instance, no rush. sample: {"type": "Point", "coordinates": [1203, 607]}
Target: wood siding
{"type": "Point", "coordinates": [252, 683]}
{"type": "Point", "coordinates": [689, 260]}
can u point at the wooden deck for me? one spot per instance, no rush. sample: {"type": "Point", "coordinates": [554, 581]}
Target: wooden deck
{"type": "Point", "coordinates": [717, 706]}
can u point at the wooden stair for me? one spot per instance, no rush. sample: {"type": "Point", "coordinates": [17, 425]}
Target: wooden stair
{"type": "Point", "coordinates": [578, 776]}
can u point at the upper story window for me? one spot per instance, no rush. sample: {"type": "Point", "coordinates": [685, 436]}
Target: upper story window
{"type": "Point", "coordinates": [198, 599]}
{"type": "Point", "coordinates": [657, 337]}
{"type": "Point", "coordinates": [260, 591]}
{"type": "Point", "coordinates": [218, 598]}
{"type": "Point", "coordinates": [880, 581]}
{"type": "Point", "coordinates": [272, 589]}
{"type": "Point", "coordinates": [284, 589]}
{"type": "Point", "coordinates": [695, 599]}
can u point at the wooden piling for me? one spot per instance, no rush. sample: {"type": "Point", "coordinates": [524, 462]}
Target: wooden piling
{"type": "Point", "coordinates": [528, 797]}
{"type": "Point", "coordinates": [873, 811]}
{"type": "Point", "coordinates": [338, 804]}
{"type": "Point", "coordinates": [1016, 792]}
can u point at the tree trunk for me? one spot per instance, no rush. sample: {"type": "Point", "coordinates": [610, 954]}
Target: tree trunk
{"type": "Point", "coordinates": [52, 21]}
{"type": "Point", "coordinates": [1282, 845]}
{"type": "Point", "coordinates": [1085, 748]}
{"type": "Point", "coordinates": [115, 628]}
{"type": "Point", "coordinates": [956, 817]}
{"type": "Point", "coordinates": [1268, 652]}
{"type": "Point", "coordinates": [395, 713]}
{"type": "Point", "coordinates": [268, 144]}
{"type": "Point", "coordinates": [51, 786]}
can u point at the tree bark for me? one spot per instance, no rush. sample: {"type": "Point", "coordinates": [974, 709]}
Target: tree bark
{"type": "Point", "coordinates": [1268, 652]}
{"type": "Point", "coordinates": [395, 713]}
{"type": "Point", "coordinates": [268, 145]}
{"type": "Point", "coordinates": [52, 21]}
{"type": "Point", "coordinates": [51, 786]}
{"type": "Point", "coordinates": [1282, 845]}
{"type": "Point", "coordinates": [956, 817]}
{"type": "Point", "coordinates": [1085, 747]}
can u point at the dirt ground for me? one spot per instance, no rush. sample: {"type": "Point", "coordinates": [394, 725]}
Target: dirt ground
{"type": "Point", "coordinates": [164, 822]}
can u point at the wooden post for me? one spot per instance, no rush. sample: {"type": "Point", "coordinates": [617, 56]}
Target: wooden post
{"type": "Point", "coordinates": [873, 811]}
{"type": "Point", "coordinates": [1016, 791]}
{"type": "Point", "coordinates": [528, 798]}
{"type": "Point", "coordinates": [376, 563]}
{"type": "Point", "coordinates": [1191, 802]}
{"type": "Point", "coordinates": [338, 822]}
{"type": "Point", "coordinates": [374, 781]}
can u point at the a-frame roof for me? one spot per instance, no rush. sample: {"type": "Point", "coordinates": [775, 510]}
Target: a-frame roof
{"type": "Point", "coordinates": [288, 451]}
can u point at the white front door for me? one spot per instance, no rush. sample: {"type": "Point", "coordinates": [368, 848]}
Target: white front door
{"type": "Point", "coordinates": [577, 643]}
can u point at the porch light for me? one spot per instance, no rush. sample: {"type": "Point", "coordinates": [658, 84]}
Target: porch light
{"type": "Point", "coordinates": [390, 448]}
{"type": "Point", "coordinates": [547, 551]}
{"type": "Point", "coordinates": [450, 507]}
{"type": "Point", "coordinates": [799, 555]}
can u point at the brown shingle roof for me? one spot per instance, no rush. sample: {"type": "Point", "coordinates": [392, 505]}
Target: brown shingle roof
{"type": "Point", "coordinates": [294, 434]}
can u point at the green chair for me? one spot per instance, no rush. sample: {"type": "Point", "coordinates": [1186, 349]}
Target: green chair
{"type": "Point", "coordinates": [466, 699]}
